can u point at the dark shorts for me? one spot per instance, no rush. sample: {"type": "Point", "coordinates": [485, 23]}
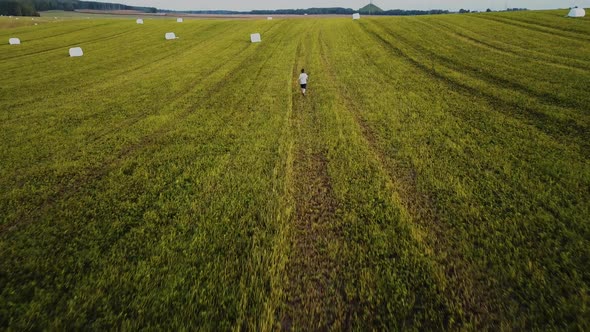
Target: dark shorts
{"type": "Point", "coordinates": [304, 86]}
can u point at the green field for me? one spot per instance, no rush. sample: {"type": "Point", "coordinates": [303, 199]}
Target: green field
{"type": "Point", "coordinates": [436, 176]}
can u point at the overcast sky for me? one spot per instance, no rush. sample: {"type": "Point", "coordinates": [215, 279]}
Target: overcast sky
{"type": "Point", "coordinates": [355, 4]}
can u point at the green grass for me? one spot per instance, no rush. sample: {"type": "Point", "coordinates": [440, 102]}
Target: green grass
{"type": "Point", "coordinates": [436, 176]}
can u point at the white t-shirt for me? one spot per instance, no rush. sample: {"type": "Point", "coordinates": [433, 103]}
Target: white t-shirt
{"type": "Point", "coordinates": [303, 78]}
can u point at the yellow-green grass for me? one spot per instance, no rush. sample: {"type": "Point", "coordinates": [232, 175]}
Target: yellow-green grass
{"type": "Point", "coordinates": [436, 176]}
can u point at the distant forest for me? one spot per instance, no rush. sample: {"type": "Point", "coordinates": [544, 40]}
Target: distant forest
{"type": "Point", "coordinates": [33, 7]}
{"type": "Point", "coordinates": [312, 11]}
{"type": "Point", "coordinates": [346, 11]}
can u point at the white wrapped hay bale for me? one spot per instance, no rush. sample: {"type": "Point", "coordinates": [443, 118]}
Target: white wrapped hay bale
{"type": "Point", "coordinates": [76, 52]}
{"type": "Point", "coordinates": [255, 38]}
{"type": "Point", "coordinates": [577, 12]}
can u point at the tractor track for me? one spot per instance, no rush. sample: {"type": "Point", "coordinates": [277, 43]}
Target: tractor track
{"type": "Point", "coordinates": [421, 207]}
{"type": "Point", "coordinates": [313, 298]}
{"type": "Point", "coordinates": [544, 123]}
{"type": "Point", "coordinates": [69, 187]}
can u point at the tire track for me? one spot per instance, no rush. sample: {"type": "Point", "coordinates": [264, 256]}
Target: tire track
{"type": "Point", "coordinates": [102, 38]}
{"type": "Point", "coordinates": [57, 35]}
{"type": "Point", "coordinates": [188, 90]}
{"type": "Point", "coordinates": [314, 300]}
{"type": "Point", "coordinates": [553, 30]}
{"type": "Point", "coordinates": [243, 69]}
{"type": "Point", "coordinates": [563, 60]}
{"type": "Point", "coordinates": [185, 91]}
{"type": "Point", "coordinates": [84, 178]}
{"type": "Point", "coordinates": [494, 48]}
{"type": "Point", "coordinates": [105, 80]}
{"type": "Point", "coordinates": [527, 26]}
{"type": "Point", "coordinates": [543, 18]}
{"type": "Point", "coordinates": [155, 63]}
{"type": "Point", "coordinates": [403, 179]}
{"type": "Point", "coordinates": [128, 122]}
{"type": "Point", "coordinates": [556, 128]}
{"type": "Point", "coordinates": [107, 84]}
{"type": "Point", "coordinates": [487, 77]}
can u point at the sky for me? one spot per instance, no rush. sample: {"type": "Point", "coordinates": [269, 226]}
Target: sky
{"type": "Point", "coordinates": [453, 5]}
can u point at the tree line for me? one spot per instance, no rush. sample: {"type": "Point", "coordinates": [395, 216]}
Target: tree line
{"type": "Point", "coordinates": [33, 7]}
{"type": "Point", "coordinates": [311, 11]}
{"type": "Point", "coordinates": [16, 8]}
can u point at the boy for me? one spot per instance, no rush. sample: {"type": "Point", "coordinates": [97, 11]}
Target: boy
{"type": "Point", "coordinates": [303, 81]}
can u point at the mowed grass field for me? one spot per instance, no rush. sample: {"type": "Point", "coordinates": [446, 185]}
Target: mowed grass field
{"type": "Point", "coordinates": [436, 176]}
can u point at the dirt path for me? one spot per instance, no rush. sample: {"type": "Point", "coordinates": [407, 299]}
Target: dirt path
{"type": "Point", "coordinates": [314, 301]}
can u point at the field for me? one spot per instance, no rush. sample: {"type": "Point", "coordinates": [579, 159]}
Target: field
{"type": "Point", "coordinates": [436, 176]}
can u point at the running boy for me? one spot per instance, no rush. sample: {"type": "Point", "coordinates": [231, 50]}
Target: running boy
{"type": "Point", "coordinates": [303, 81]}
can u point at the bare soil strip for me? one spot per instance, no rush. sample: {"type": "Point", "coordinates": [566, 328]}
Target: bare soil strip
{"type": "Point", "coordinates": [313, 299]}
